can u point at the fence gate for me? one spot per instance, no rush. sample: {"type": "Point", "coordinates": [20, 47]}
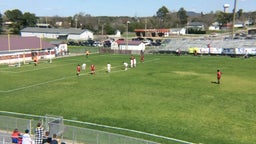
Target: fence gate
{"type": "Point", "coordinates": [54, 124]}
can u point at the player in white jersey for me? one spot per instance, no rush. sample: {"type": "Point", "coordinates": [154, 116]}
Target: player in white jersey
{"type": "Point", "coordinates": [125, 65]}
{"type": "Point", "coordinates": [109, 67]}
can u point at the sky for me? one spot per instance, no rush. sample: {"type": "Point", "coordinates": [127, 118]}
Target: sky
{"type": "Point", "coordinates": [138, 8]}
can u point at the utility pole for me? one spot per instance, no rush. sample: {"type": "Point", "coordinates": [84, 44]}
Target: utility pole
{"type": "Point", "coordinates": [127, 31]}
{"type": "Point", "coordinates": [102, 29]}
{"type": "Point", "coordinates": [234, 19]}
{"type": "Point", "coordinates": [146, 22]}
{"type": "Point", "coordinates": [76, 21]}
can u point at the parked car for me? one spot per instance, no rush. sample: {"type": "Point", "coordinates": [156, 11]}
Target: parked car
{"type": "Point", "coordinates": [147, 42]}
{"type": "Point", "coordinates": [150, 39]}
{"type": "Point", "coordinates": [97, 44]}
{"type": "Point", "coordinates": [155, 43]}
{"type": "Point", "coordinates": [107, 43]}
{"type": "Point", "coordinates": [138, 39]}
{"type": "Point", "coordinates": [72, 43]}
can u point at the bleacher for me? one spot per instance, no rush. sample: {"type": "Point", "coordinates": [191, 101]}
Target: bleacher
{"type": "Point", "coordinates": [185, 44]}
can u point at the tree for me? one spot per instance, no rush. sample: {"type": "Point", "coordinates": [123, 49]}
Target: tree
{"type": "Point", "coordinates": [109, 29]}
{"type": "Point", "coordinates": [223, 18]}
{"type": "Point", "coordinates": [163, 16]}
{"type": "Point", "coordinates": [14, 15]}
{"type": "Point", "coordinates": [240, 14]}
{"type": "Point", "coordinates": [252, 16]}
{"type": "Point", "coordinates": [19, 20]}
{"type": "Point", "coordinates": [182, 15]}
{"type": "Point", "coordinates": [30, 19]}
{"type": "Point", "coordinates": [208, 19]}
{"type": "Point", "coordinates": [16, 18]}
{"type": "Point", "coordinates": [1, 23]}
{"type": "Point", "coordinates": [162, 12]}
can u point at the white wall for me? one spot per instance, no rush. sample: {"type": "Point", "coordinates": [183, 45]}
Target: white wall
{"type": "Point", "coordinates": [40, 35]}
{"type": "Point", "coordinates": [18, 57]}
{"type": "Point", "coordinates": [115, 46]}
{"type": "Point", "coordinates": [84, 36]}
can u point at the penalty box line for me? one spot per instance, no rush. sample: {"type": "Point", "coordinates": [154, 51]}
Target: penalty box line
{"type": "Point", "coordinates": [37, 84]}
{"type": "Point", "coordinates": [29, 86]}
{"type": "Point", "coordinates": [12, 69]}
{"type": "Point", "coordinates": [55, 80]}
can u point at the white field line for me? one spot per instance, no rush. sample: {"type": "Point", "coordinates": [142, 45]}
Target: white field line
{"type": "Point", "coordinates": [11, 70]}
{"type": "Point", "coordinates": [35, 68]}
{"type": "Point", "coordinates": [38, 84]}
{"type": "Point", "coordinates": [29, 86]}
{"type": "Point", "coordinates": [59, 79]}
{"type": "Point", "coordinates": [55, 80]}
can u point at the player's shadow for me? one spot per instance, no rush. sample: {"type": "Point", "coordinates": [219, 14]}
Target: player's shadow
{"type": "Point", "coordinates": [214, 82]}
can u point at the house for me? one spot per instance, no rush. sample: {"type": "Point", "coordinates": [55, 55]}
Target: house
{"type": "Point", "coordinates": [230, 25]}
{"type": "Point", "coordinates": [214, 26]}
{"type": "Point", "coordinates": [252, 32]}
{"type": "Point", "coordinates": [61, 48]}
{"type": "Point", "coordinates": [43, 25]}
{"type": "Point", "coordinates": [16, 49]}
{"type": "Point", "coordinates": [178, 31]}
{"type": "Point", "coordinates": [239, 24]}
{"type": "Point", "coordinates": [128, 45]}
{"type": "Point", "coordinates": [117, 34]}
{"type": "Point", "coordinates": [57, 33]}
{"type": "Point", "coordinates": [196, 25]}
{"type": "Point", "coordinates": [152, 32]}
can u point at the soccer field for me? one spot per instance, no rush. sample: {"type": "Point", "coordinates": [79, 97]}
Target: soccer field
{"type": "Point", "coordinates": [167, 95]}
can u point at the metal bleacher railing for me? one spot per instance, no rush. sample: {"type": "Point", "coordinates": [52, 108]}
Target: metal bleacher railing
{"type": "Point", "coordinates": [185, 44]}
{"type": "Point", "coordinates": [68, 134]}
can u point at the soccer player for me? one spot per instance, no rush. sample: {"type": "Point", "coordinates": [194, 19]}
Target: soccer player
{"type": "Point", "coordinates": [83, 66]}
{"type": "Point", "coordinates": [246, 55]}
{"type": "Point", "coordinates": [92, 69]}
{"type": "Point", "coordinates": [142, 58]}
{"type": "Point", "coordinates": [218, 76]}
{"type": "Point", "coordinates": [108, 67]}
{"type": "Point", "coordinates": [78, 69]}
{"type": "Point", "coordinates": [132, 61]}
{"type": "Point", "coordinates": [125, 65]}
{"type": "Point", "coordinates": [178, 51]}
{"type": "Point", "coordinates": [195, 52]}
{"type": "Point", "coordinates": [87, 54]}
{"type": "Point", "coordinates": [35, 60]}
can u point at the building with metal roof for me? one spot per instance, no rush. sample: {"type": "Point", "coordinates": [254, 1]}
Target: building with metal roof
{"type": "Point", "coordinates": [15, 49]}
{"type": "Point", "coordinates": [12, 43]}
{"type": "Point", "coordinates": [128, 45]}
{"type": "Point", "coordinates": [57, 33]}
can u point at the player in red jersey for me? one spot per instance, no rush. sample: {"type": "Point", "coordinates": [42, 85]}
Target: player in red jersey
{"type": "Point", "coordinates": [218, 76]}
{"type": "Point", "coordinates": [78, 70]}
{"type": "Point", "coordinates": [92, 69]}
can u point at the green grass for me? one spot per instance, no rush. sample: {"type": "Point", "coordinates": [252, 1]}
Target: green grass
{"type": "Point", "coordinates": [83, 49]}
{"type": "Point", "coordinates": [167, 95]}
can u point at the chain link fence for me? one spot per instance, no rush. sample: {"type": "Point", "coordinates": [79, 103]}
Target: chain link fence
{"type": "Point", "coordinates": [66, 134]}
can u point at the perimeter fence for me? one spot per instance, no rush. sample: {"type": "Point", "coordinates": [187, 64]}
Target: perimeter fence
{"type": "Point", "coordinates": [77, 133]}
